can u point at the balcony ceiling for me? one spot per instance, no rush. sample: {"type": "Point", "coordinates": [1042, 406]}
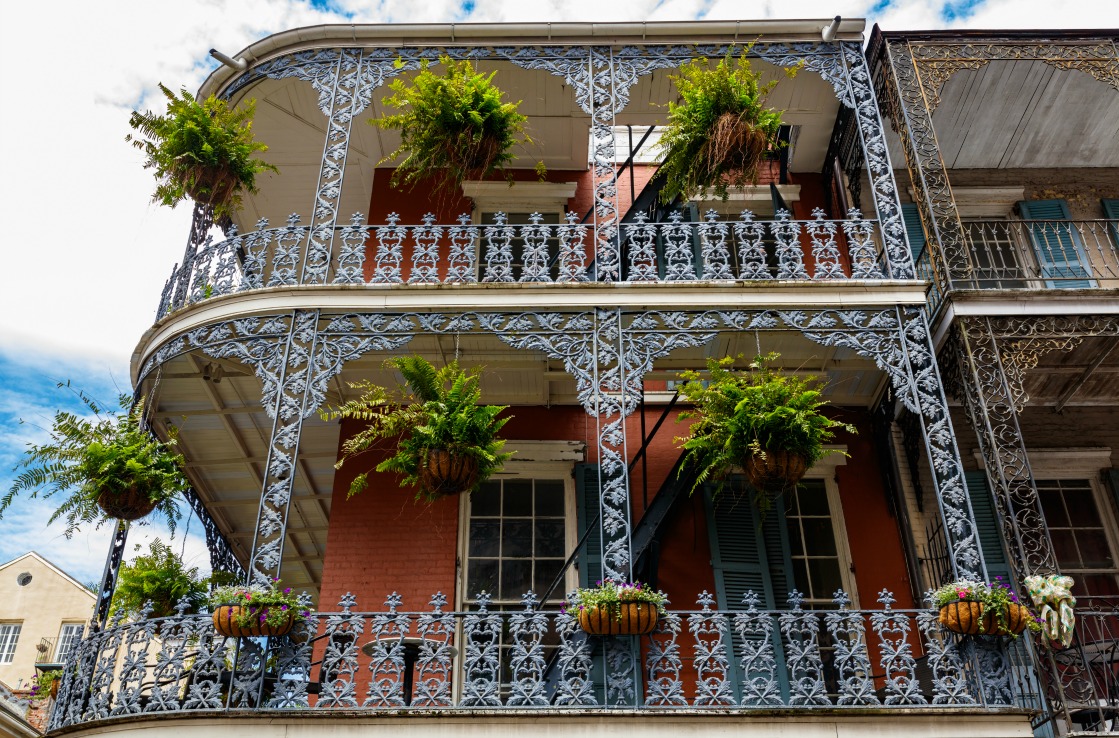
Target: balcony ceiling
{"type": "Point", "coordinates": [224, 432]}
{"type": "Point", "coordinates": [289, 121]}
{"type": "Point", "coordinates": [1024, 114]}
{"type": "Point", "coordinates": [1086, 375]}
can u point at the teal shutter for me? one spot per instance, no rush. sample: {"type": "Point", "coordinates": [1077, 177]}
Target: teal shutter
{"type": "Point", "coordinates": [1059, 250]}
{"type": "Point", "coordinates": [987, 522]}
{"type": "Point", "coordinates": [749, 554]}
{"type": "Point", "coordinates": [1112, 477]}
{"type": "Point", "coordinates": [590, 562]}
{"type": "Point", "coordinates": [914, 231]}
{"type": "Point", "coordinates": [1111, 212]}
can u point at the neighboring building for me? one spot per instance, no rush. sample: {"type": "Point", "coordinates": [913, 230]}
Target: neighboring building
{"type": "Point", "coordinates": [43, 611]}
{"type": "Point", "coordinates": [16, 716]}
{"type": "Point", "coordinates": [583, 299]}
{"type": "Point", "coordinates": [1010, 148]}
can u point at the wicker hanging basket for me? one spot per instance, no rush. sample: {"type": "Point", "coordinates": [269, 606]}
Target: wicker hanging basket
{"type": "Point", "coordinates": [966, 618]}
{"type": "Point", "coordinates": [776, 471]}
{"type": "Point", "coordinates": [132, 504]}
{"type": "Point", "coordinates": [225, 622]}
{"type": "Point", "coordinates": [630, 618]}
{"type": "Point", "coordinates": [445, 473]}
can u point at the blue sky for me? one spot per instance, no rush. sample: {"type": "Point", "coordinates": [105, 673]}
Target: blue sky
{"type": "Point", "coordinates": [86, 254]}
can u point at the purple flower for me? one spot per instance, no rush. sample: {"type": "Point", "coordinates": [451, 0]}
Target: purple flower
{"type": "Point", "coordinates": [283, 607]}
{"type": "Point", "coordinates": [287, 591]}
{"type": "Point", "coordinates": [263, 617]}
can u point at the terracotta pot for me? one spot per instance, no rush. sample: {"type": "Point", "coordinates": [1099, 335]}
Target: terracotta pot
{"type": "Point", "coordinates": [225, 621]}
{"type": "Point", "coordinates": [132, 504]}
{"type": "Point", "coordinates": [631, 618]}
{"type": "Point", "coordinates": [776, 472]}
{"type": "Point", "coordinates": [447, 473]}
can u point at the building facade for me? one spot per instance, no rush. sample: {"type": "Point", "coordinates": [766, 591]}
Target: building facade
{"type": "Point", "coordinates": [583, 300]}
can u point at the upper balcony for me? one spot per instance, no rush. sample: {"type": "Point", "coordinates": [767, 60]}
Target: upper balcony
{"type": "Point", "coordinates": [596, 98]}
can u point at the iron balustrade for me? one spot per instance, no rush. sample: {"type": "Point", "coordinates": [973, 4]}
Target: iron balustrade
{"type": "Point", "coordinates": [714, 249]}
{"type": "Point", "coordinates": [1083, 680]}
{"type": "Point", "coordinates": [498, 658]}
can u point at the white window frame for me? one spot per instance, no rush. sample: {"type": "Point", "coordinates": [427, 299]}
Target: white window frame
{"type": "Point", "coordinates": [9, 640]}
{"type": "Point", "coordinates": [68, 634]}
{"type": "Point", "coordinates": [825, 469]}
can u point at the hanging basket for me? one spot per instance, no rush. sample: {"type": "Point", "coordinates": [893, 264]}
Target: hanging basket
{"type": "Point", "coordinates": [966, 617]}
{"type": "Point", "coordinates": [132, 504]}
{"type": "Point", "coordinates": [225, 622]}
{"type": "Point", "coordinates": [212, 186]}
{"type": "Point", "coordinates": [445, 473]}
{"type": "Point", "coordinates": [630, 618]}
{"type": "Point", "coordinates": [777, 471]}
{"type": "Point", "coordinates": [1017, 619]}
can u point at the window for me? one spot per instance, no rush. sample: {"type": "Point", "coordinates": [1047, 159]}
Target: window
{"type": "Point", "coordinates": [818, 565]}
{"type": "Point", "coordinates": [995, 253]}
{"type": "Point", "coordinates": [1079, 535]}
{"type": "Point", "coordinates": [67, 639]}
{"type": "Point", "coordinates": [9, 636]}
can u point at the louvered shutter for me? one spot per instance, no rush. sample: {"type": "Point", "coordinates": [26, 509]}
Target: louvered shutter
{"type": "Point", "coordinates": [1058, 247]}
{"type": "Point", "coordinates": [749, 554]}
{"type": "Point", "coordinates": [590, 560]}
{"type": "Point", "coordinates": [914, 231]}
{"type": "Point", "coordinates": [987, 522]}
{"type": "Point", "coordinates": [1112, 477]}
{"type": "Point", "coordinates": [1111, 212]}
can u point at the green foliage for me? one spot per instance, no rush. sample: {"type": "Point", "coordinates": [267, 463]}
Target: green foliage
{"type": "Point", "coordinates": [159, 577]}
{"type": "Point", "coordinates": [453, 124]}
{"type": "Point", "coordinates": [443, 414]}
{"type": "Point", "coordinates": [203, 151]}
{"type": "Point", "coordinates": [609, 595]}
{"type": "Point", "coordinates": [41, 683]}
{"type": "Point", "coordinates": [741, 414]}
{"type": "Point", "coordinates": [995, 597]}
{"type": "Point", "coordinates": [108, 453]}
{"type": "Point", "coordinates": [720, 131]}
{"type": "Point", "coordinates": [261, 604]}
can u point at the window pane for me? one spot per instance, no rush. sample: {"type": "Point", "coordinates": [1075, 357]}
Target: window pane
{"type": "Point", "coordinates": [813, 499]}
{"type": "Point", "coordinates": [516, 538]}
{"type": "Point", "coordinates": [483, 576]}
{"type": "Point", "coordinates": [517, 500]}
{"type": "Point", "coordinates": [819, 539]}
{"type": "Point", "coordinates": [546, 572]}
{"type": "Point", "coordinates": [549, 498]}
{"type": "Point", "coordinates": [1094, 551]}
{"type": "Point", "coordinates": [1053, 507]}
{"type": "Point", "coordinates": [487, 500]}
{"type": "Point", "coordinates": [1064, 546]}
{"type": "Point", "coordinates": [824, 574]}
{"type": "Point", "coordinates": [516, 578]}
{"type": "Point", "coordinates": [9, 636]}
{"type": "Point", "coordinates": [484, 539]}
{"type": "Point", "coordinates": [549, 538]}
{"type": "Point", "coordinates": [1081, 508]}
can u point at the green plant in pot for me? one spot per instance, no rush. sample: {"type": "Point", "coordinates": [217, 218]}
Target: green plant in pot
{"type": "Point", "coordinates": [617, 608]}
{"type": "Point", "coordinates": [983, 608]}
{"type": "Point", "coordinates": [454, 126]}
{"type": "Point", "coordinates": [720, 131]}
{"type": "Point", "coordinates": [159, 577]}
{"type": "Point", "coordinates": [200, 150]}
{"type": "Point", "coordinates": [104, 466]}
{"type": "Point", "coordinates": [45, 684]}
{"type": "Point", "coordinates": [763, 420]}
{"type": "Point", "coordinates": [446, 442]}
{"type": "Point", "coordinates": [255, 610]}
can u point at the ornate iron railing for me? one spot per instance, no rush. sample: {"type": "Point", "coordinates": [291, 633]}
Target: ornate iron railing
{"type": "Point", "coordinates": [534, 252]}
{"type": "Point", "coordinates": [1083, 680]}
{"type": "Point", "coordinates": [524, 657]}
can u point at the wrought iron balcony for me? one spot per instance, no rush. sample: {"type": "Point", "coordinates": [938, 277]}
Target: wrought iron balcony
{"type": "Point", "coordinates": [464, 253]}
{"type": "Point", "coordinates": [521, 657]}
{"type": "Point", "coordinates": [1039, 254]}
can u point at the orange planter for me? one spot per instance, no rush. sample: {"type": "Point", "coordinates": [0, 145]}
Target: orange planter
{"type": "Point", "coordinates": [966, 617]}
{"type": "Point", "coordinates": [630, 618]}
{"type": "Point", "coordinates": [778, 471]}
{"type": "Point", "coordinates": [225, 621]}
{"type": "Point", "coordinates": [446, 473]}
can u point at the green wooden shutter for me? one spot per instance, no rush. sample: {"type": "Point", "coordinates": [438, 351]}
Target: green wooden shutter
{"type": "Point", "coordinates": [586, 499]}
{"type": "Point", "coordinates": [749, 554]}
{"type": "Point", "coordinates": [1112, 477]}
{"type": "Point", "coordinates": [987, 522]}
{"type": "Point", "coordinates": [914, 230]}
{"type": "Point", "coordinates": [1058, 247]}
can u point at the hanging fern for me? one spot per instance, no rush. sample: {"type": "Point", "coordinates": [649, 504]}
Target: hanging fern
{"type": "Point", "coordinates": [440, 411]}
{"type": "Point", "coordinates": [106, 454]}
{"type": "Point", "coordinates": [203, 151]}
{"type": "Point", "coordinates": [720, 131]}
{"type": "Point", "coordinates": [453, 125]}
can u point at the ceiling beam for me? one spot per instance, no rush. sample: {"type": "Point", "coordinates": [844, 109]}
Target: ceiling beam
{"type": "Point", "coordinates": [1077, 383]}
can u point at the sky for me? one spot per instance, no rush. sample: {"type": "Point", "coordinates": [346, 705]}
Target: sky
{"type": "Point", "coordinates": [87, 254]}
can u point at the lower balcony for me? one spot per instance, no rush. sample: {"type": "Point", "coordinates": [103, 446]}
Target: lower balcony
{"type": "Point", "coordinates": [897, 669]}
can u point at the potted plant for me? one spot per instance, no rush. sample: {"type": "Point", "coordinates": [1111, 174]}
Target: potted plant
{"type": "Point", "coordinates": [201, 150]}
{"type": "Point", "coordinates": [256, 610]}
{"type": "Point", "coordinates": [45, 684]}
{"type": "Point", "coordinates": [617, 608]}
{"type": "Point", "coordinates": [720, 131]}
{"type": "Point", "coordinates": [763, 420]}
{"type": "Point", "coordinates": [975, 608]}
{"type": "Point", "coordinates": [107, 466]}
{"type": "Point", "coordinates": [161, 578]}
{"type": "Point", "coordinates": [453, 125]}
{"type": "Point", "coordinates": [446, 443]}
